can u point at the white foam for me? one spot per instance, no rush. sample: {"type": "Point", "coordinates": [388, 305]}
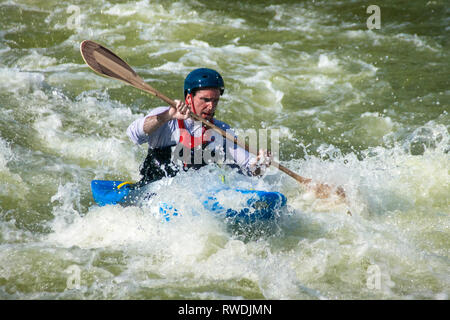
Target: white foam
{"type": "Point", "coordinates": [322, 82]}
{"type": "Point", "coordinates": [113, 150]}
{"type": "Point", "coordinates": [111, 226]}
{"type": "Point", "coordinates": [416, 40]}
{"type": "Point", "coordinates": [14, 80]}
{"type": "Point", "coordinates": [90, 148]}
{"type": "Point", "coordinates": [36, 61]}
{"type": "Point", "coordinates": [122, 10]}
{"type": "Point", "coordinates": [326, 63]}
{"type": "Point", "coordinates": [294, 17]}
{"type": "Point", "coordinates": [11, 184]}
{"type": "Point", "coordinates": [6, 154]}
{"type": "Point", "coordinates": [153, 12]}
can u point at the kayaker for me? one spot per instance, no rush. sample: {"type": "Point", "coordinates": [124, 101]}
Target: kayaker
{"type": "Point", "coordinates": [175, 140]}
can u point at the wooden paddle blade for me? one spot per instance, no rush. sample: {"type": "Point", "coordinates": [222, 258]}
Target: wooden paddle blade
{"type": "Point", "coordinates": [107, 63]}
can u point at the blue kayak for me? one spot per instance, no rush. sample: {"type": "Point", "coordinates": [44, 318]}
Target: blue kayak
{"type": "Point", "coordinates": [260, 205]}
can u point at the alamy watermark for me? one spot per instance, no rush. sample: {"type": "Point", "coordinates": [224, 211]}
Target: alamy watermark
{"type": "Point", "coordinates": [374, 20]}
{"type": "Point", "coordinates": [373, 281]}
{"type": "Point", "coordinates": [74, 20]}
{"type": "Point", "coordinates": [214, 148]}
{"type": "Point", "coordinates": [376, 280]}
{"type": "Point", "coordinates": [74, 278]}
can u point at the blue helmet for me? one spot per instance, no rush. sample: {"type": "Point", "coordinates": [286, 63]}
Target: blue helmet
{"type": "Point", "coordinates": [203, 78]}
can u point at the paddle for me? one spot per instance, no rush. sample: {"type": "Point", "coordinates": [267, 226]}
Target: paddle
{"type": "Point", "coordinates": [105, 62]}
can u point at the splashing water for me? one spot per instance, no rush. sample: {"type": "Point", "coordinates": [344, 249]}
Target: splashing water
{"type": "Point", "coordinates": [363, 109]}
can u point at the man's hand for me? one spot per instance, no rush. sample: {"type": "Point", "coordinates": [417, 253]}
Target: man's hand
{"type": "Point", "coordinates": [180, 111]}
{"type": "Point", "coordinates": [261, 163]}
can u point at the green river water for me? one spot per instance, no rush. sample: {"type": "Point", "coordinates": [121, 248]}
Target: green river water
{"type": "Point", "coordinates": [366, 109]}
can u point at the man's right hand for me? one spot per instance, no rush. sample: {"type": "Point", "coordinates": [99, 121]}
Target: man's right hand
{"type": "Point", "coordinates": [180, 111]}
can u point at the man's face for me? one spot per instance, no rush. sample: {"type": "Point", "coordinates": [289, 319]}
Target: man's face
{"type": "Point", "coordinates": [205, 102]}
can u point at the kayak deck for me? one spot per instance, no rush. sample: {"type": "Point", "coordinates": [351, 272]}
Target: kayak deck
{"type": "Point", "coordinates": [259, 205]}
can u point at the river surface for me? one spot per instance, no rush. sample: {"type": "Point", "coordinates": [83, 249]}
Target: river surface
{"type": "Point", "coordinates": [355, 106]}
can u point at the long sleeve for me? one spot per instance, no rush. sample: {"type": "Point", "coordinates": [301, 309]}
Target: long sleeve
{"type": "Point", "coordinates": [164, 136]}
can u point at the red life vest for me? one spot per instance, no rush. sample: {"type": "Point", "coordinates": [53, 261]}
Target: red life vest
{"type": "Point", "coordinates": [188, 140]}
{"type": "Point", "coordinates": [192, 143]}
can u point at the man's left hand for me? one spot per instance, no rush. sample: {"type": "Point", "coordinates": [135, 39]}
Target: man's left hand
{"type": "Point", "coordinates": [262, 162]}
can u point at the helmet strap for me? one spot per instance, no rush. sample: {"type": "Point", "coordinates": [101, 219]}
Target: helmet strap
{"type": "Point", "coordinates": [193, 110]}
{"type": "Point", "coordinates": [192, 102]}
